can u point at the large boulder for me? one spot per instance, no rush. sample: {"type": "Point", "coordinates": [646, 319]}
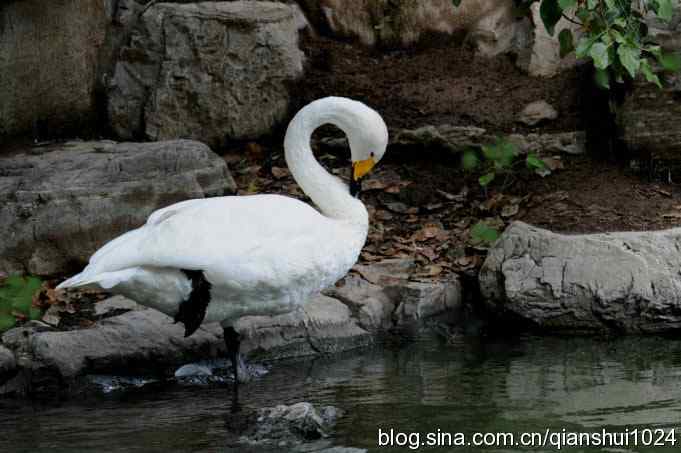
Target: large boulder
{"type": "Point", "coordinates": [211, 71]}
{"type": "Point", "coordinates": [48, 63]}
{"type": "Point", "coordinates": [626, 282]}
{"type": "Point", "coordinates": [61, 203]}
{"type": "Point", "coordinates": [489, 23]}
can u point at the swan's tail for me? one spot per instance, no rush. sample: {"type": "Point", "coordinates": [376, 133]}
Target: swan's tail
{"type": "Point", "coordinates": [105, 280]}
{"type": "Point", "coordinates": [110, 265]}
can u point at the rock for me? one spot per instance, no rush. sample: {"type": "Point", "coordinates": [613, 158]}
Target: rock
{"type": "Point", "coordinates": [211, 71]}
{"type": "Point", "coordinates": [542, 57]}
{"type": "Point", "coordinates": [289, 425]}
{"type": "Point", "coordinates": [490, 24]}
{"type": "Point", "coordinates": [623, 282]}
{"type": "Point", "coordinates": [458, 138]}
{"type": "Point", "coordinates": [115, 303]}
{"type": "Point", "coordinates": [191, 370]}
{"type": "Point", "coordinates": [8, 364]}
{"type": "Point", "coordinates": [667, 34]}
{"type": "Point", "coordinates": [537, 112]}
{"type": "Point", "coordinates": [138, 341]}
{"type": "Point", "coordinates": [648, 118]}
{"type": "Point", "coordinates": [421, 301]}
{"type": "Point", "coordinates": [61, 203]}
{"type": "Point", "coordinates": [552, 143]}
{"type": "Point", "coordinates": [322, 326]}
{"type": "Point", "coordinates": [373, 307]}
{"type": "Point", "coordinates": [383, 296]}
{"type": "Point", "coordinates": [48, 62]}
{"type": "Point", "coordinates": [446, 136]}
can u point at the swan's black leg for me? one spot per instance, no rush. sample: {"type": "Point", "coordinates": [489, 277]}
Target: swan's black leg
{"type": "Point", "coordinates": [232, 342]}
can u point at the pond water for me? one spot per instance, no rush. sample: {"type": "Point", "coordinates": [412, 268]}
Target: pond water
{"type": "Point", "coordinates": [513, 384]}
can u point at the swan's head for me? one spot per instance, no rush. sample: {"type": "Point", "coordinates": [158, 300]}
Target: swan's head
{"type": "Point", "coordinates": [365, 129]}
{"type": "Point", "coordinates": [368, 140]}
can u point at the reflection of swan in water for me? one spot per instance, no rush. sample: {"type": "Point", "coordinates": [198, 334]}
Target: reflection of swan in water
{"type": "Point", "coordinates": [217, 259]}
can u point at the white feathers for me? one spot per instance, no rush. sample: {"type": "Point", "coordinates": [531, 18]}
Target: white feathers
{"type": "Point", "coordinates": [262, 254]}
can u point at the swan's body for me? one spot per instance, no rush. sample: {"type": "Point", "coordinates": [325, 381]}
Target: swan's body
{"type": "Point", "coordinates": [262, 255]}
{"type": "Point", "coordinates": [218, 259]}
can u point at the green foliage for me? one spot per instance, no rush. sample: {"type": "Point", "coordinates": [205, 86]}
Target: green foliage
{"type": "Point", "coordinates": [482, 233]}
{"type": "Point", "coordinates": [499, 159]}
{"type": "Point", "coordinates": [614, 35]}
{"type": "Point", "coordinates": [16, 300]}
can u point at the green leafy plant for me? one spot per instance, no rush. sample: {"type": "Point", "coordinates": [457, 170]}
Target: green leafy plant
{"type": "Point", "coordinates": [482, 233]}
{"type": "Point", "coordinates": [16, 300]}
{"type": "Point", "coordinates": [500, 159]}
{"type": "Point", "coordinates": [613, 34]}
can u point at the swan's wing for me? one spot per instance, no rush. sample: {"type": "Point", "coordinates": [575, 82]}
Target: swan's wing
{"type": "Point", "coordinates": [155, 218]}
{"type": "Point", "coordinates": [209, 233]}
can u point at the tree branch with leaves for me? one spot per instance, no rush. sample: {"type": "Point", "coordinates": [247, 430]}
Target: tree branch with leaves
{"type": "Point", "coordinates": [612, 33]}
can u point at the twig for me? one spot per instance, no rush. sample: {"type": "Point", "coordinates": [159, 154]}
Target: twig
{"type": "Point", "coordinates": [571, 20]}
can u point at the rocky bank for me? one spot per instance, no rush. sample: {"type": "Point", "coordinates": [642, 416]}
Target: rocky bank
{"type": "Point", "coordinates": [38, 359]}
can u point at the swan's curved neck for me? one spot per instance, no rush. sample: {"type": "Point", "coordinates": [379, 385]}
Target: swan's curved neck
{"type": "Point", "coordinates": [328, 192]}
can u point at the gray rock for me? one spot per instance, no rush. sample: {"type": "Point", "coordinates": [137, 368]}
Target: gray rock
{"type": "Point", "coordinates": [323, 326]}
{"type": "Point", "coordinates": [458, 138]}
{"type": "Point", "coordinates": [541, 57]}
{"type": "Point", "coordinates": [60, 204]}
{"type": "Point", "coordinates": [191, 370]}
{"type": "Point", "coordinates": [490, 25]}
{"type": "Point", "coordinates": [211, 71]}
{"type": "Point", "coordinates": [371, 305]}
{"type": "Point", "coordinates": [144, 340]}
{"type": "Point", "coordinates": [447, 136]}
{"type": "Point", "coordinates": [422, 301]}
{"type": "Point", "coordinates": [648, 118]}
{"type": "Point", "coordinates": [289, 425]}
{"type": "Point", "coordinates": [626, 282]}
{"type": "Point", "coordinates": [114, 303]}
{"type": "Point", "coordinates": [537, 112]}
{"type": "Point", "coordinates": [382, 296]}
{"type": "Point", "coordinates": [552, 143]}
{"type": "Point", "coordinates": [8, 364]}
{"type": "Point", "coordinates": [48, 62]}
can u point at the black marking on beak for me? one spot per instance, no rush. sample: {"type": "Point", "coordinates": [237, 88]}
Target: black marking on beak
{"type": "Point", "coordinates": [355, 186]}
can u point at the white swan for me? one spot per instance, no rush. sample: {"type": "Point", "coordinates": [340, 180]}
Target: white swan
{"type": "Point", "coordinates": [217, 259]}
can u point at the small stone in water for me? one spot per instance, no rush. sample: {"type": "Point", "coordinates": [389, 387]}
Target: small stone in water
{"type": "Point", "coordinates": [192, 370]}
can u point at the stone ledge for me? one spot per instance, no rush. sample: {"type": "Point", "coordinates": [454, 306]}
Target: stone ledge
{"type": "Point", "coordinates": [622, 282]}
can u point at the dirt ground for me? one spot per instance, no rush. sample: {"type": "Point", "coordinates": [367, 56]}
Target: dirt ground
{"type": "Point", "coordinates": [441, 83]}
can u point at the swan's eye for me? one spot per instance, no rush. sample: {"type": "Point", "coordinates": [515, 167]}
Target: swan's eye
{"type": "Point", "coordinates": [371, 154]}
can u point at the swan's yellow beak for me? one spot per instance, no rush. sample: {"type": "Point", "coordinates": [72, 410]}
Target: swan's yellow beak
{"type": "Point", "coordinates": [362, 167]}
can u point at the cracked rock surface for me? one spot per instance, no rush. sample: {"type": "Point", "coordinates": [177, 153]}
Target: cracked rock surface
{"type": "Point", "coordinates": [624, 282]}
{"type": "Point", "coordinates": [212, 71]}
{"type": "Point", "coordinates": [60, 203]}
